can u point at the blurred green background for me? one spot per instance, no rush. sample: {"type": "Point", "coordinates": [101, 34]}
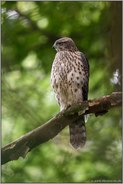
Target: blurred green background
{"type": "Point", "coordinates": [29, 30]}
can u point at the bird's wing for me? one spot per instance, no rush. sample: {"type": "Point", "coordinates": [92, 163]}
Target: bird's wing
{"type": "Point", "coordinates": [86, 81]}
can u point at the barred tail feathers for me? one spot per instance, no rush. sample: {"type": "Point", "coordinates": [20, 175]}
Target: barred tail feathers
{"type": "Point", "coordinates": [78, 133]}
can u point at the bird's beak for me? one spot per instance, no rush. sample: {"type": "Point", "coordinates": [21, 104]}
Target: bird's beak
{"type": "Point", "coordinates": [54, 46]}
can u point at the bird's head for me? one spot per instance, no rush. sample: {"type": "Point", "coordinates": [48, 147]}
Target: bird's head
{"type": "Point", "coordinates": [65, 44]}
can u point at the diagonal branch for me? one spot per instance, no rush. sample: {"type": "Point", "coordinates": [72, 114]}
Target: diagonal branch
{"type": "Point", "coordinates": [42, 134]}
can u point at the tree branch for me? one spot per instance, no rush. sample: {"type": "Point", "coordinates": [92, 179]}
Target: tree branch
{"type": "Point", "coordinates": [42, 134]}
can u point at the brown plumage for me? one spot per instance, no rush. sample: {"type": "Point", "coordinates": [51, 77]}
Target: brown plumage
{"type": "Point", "coordinates": [69, 79]}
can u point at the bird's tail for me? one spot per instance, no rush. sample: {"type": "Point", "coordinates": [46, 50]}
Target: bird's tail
{"type": "Point", "coordinates": [78, 133]}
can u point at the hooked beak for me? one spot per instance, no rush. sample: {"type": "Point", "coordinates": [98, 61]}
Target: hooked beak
{"type": "Point", "coordinates": [54, 46]}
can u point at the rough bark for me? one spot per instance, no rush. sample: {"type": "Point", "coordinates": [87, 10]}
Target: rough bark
{"type": "Point", "coordinates": [42, 134]}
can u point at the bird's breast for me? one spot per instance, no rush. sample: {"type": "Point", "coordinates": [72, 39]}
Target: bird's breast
{"type": "Point", "coordinates": [65, 71]}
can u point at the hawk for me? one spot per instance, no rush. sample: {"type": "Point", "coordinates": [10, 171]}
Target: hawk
{"type": "Point", "coordinates": [69, 79]}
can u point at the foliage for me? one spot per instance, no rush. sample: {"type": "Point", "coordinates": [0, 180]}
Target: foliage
{"type": "Point", "coordinates": [29, 30]}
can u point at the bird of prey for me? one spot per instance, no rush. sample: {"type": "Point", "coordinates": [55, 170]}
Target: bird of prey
{"type": "Point", "coordinates": [69, 79]}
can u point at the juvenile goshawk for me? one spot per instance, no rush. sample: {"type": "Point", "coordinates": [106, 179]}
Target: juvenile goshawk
{"type": "Point", "coordinates": [69, 79]}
